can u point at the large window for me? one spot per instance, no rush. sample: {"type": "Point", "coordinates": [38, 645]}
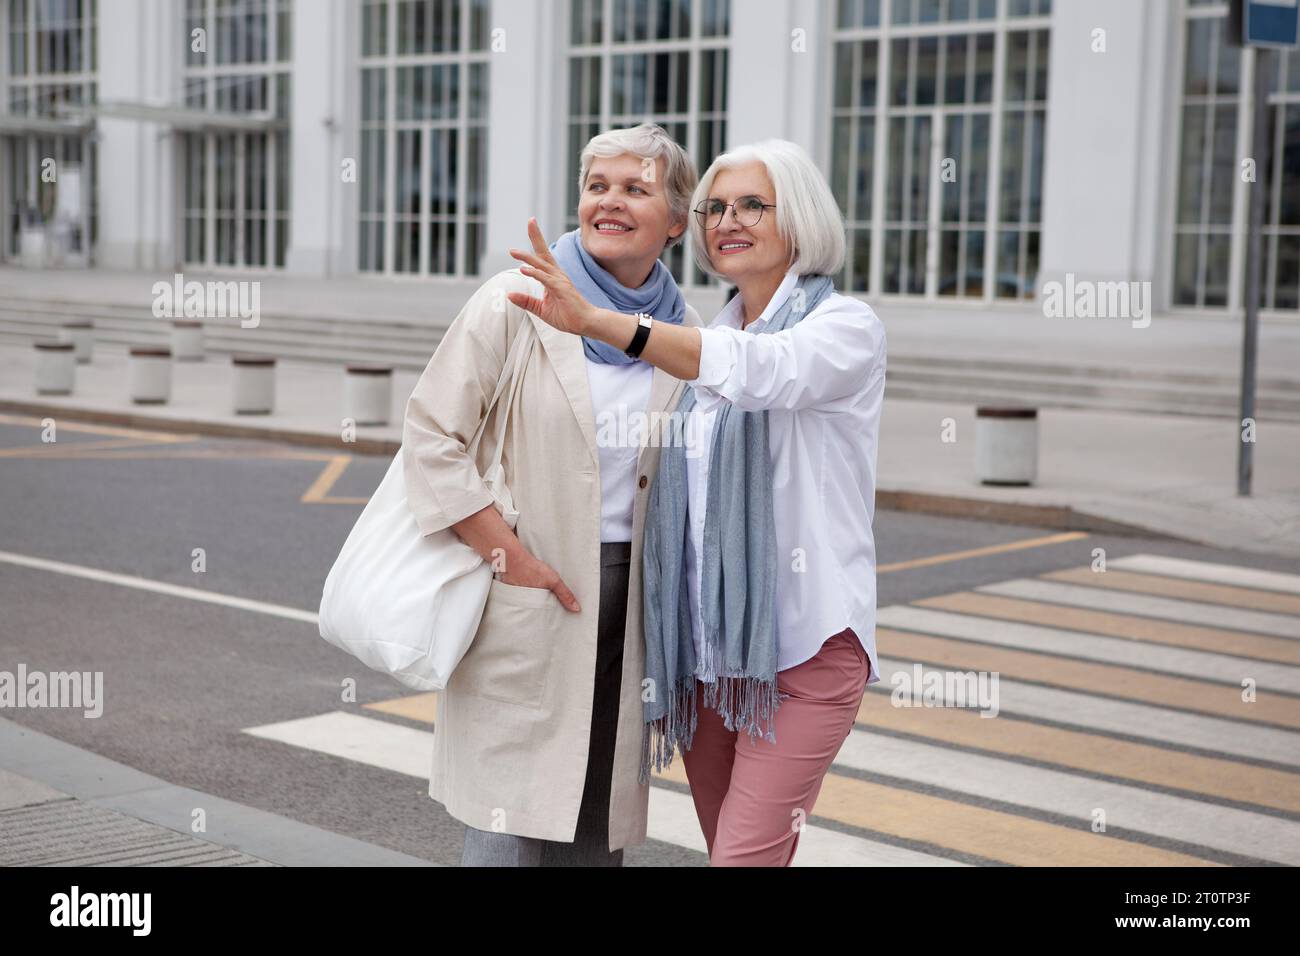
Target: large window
{"type": "Point", "coordinates": [937, 132]}
{"type": "Point", "coordinates": [51, 61]}
{"type": "Point", "coordinates": [235, 183]}
{"type": "Point", "coordinates": [1212, 212]}
{"type": "Point", "coordinates": [634, 61]}
{"type": "Point", "coordinates": [423, 164]}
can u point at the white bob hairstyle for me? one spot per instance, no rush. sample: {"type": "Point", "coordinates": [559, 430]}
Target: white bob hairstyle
{"type": "Point", "coordinates": [807, 217]}
{"type": "Point", "coordinates": [648, 141]}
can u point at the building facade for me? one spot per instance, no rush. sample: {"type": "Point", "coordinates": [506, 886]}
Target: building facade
{"type": "Point", "coordinates": [978, 148]}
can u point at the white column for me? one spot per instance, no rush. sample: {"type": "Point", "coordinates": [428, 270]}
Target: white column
{"type": "Point", "coordinates": [1107, 161]}
{"type": "Point", "coordinates": [527, 125]}
{"type": "Point", "coordinates": [324, 131]}
{"type": "Point", "coordinates": [777, 83]}
{"type": "Point", "coordinates": [141, 49]}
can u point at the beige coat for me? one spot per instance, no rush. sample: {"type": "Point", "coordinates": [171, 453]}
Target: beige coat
{"type": "Point", "coordinates": [513, 725]}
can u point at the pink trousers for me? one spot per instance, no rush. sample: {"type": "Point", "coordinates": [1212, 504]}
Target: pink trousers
{"type": "Point", "coordinates": [752, 797]}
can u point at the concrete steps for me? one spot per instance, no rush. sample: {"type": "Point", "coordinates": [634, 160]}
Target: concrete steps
{"type": "Point", "coordinates": [1168, 393]}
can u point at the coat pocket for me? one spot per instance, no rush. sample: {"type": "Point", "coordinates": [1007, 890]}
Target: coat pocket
{"type": "Point", "coordinates": [510, 658]}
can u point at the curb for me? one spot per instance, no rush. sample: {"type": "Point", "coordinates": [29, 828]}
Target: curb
{"type": "Point", "coordinates": [362, 446]}
{"type": "Point", "coordinates": [1052, 517]}
{"type": "Point", "coordinates": [107, 784]}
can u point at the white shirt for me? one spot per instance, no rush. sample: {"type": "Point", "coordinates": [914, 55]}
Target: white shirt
{"type": "Point", "coordinates": [822, 382]}
{"type": "Point", "coordinates": [619, 396]}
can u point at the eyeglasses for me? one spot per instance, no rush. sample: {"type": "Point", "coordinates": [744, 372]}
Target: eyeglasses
{"type": "Point", "coordinates": [748, 210]}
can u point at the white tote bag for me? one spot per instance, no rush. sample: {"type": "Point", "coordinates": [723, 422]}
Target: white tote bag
{"type": "Point", "coordinates": [406, 603]}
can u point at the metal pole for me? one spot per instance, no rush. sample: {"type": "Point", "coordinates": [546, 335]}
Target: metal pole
{"type": "Point", "coordinates": [1254, 269]}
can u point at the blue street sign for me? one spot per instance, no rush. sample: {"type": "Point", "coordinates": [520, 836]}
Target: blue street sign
{"type": "Point", "coordinates": [1270, 23]}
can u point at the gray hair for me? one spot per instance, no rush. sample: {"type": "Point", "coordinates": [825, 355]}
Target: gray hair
{"type": "Point", "coordinates": [650, 142]}
{"type": "Point", "coordinates": [807, 217]}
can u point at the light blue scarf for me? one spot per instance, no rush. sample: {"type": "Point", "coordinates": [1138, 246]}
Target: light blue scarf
{"type": "Point", "coordinates": [659, 295]}
{"type": "Point", "coordinates": [737, 573]}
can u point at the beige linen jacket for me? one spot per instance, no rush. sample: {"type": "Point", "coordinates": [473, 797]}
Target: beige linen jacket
{"type": "Point", "coordinates": [514, 722]}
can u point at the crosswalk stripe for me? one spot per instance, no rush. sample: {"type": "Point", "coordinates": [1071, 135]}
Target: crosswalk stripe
{"type": "Point", "coordinates": [1138, 719]}
{"type": "Point", "coordinates": [1087, 752]}
{"type": "Point", "coordinates": [1075, 797]}
{"type": "Point", "coordinates": [672, 820]}
{"type": "Point", "coordinates": [1091, 753]}
{"type": "Point", "coordinates": [979, 831]}
{"type": "Point", "coordinates": [1209, 571]}
{"type": "Point", "coordinates": [1109, 680]}
{"type": "Point", "coordinates": [1279, 650]}
{"type": "Point", "coordinates": [1194, 612]}
{"type": "Point", "coordinates": [409, 751]}
{"type": "Point", "coordinates": [367, 740]}
{"type": "Point", "coordinates": [1200, 665]}
{"type": "Point", "coordinates": [1156, 584]}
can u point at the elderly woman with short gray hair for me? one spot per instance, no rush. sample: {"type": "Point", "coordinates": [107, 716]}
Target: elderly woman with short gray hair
{"type": "Point", "coordinates": [538, 733]}
{"type": "Point", "coordinates": [760, 564]}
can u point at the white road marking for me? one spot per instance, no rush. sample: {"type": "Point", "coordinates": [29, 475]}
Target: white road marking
{"type": "Point", "coordinates": [1076, 796]}
{"type": "Point", "coordinates": [1232, 738]}
{"type": "Point", "coordinates": [406, 750]}
{"type": "Point", "coordinates": [158, 587]}
{"type": "Point", "coordinates": [1200, 665]}
{"type": "Point", "coordinates": [1143, 605]}
{"type": "Point", "coordinates": [1208, 571]}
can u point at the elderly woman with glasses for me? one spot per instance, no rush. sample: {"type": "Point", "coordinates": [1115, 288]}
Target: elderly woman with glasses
{"type": "Point", "coordinates": [759, 559]}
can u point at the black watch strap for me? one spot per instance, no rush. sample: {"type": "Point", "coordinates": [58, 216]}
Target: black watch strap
{"type": "Point", "coordinates": [639, 339]}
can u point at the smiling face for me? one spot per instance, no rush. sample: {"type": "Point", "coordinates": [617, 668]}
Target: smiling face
{"type": "Point", "coordinates": [744, 252]}
{"type": "Point", "coordinates": [624, 217]}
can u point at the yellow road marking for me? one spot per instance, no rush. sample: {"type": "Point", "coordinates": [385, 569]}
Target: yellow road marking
{"type": "Point", "coordinates": [421, 707]}
{"type": "Point", "coordinates": [1279, 650]}
{"type": "Point", "coordinates": [1106, 680]}
{"type": "Point", "coordinates": [318, 492]}
{"type": "Point", "coordinates": [125, 448]}
{"type": "Point", "coordinates": [64, 450]}
{"type": "Point", "coordinates": [992, 834]}
{"type": "Point", "coordinates": [1225, 594]}
{"type": "Point", "coordinates": [1094, 753]}
{"type": "Point", "coordinates": [1139, 763]}
{"type": "Point", "coordinates": [79, 426]}
{"type": "Point", "coordinates": [982, 552]}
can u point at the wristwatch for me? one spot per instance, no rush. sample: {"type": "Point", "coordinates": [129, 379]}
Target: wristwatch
{"type": "Point", "coordinates": [639, 339]}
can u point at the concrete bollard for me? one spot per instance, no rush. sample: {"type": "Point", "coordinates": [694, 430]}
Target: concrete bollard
{"type": "Point", "coordinates": [368, 393]}
{"type": "Point", "coordinates": [150, 372]}
{"type": "Point", "coordinates": [56, 367]}
{"type": "Point", "coordinates": [187, 340]}
{"type": "Point", "coordinates": [80, 333]}
{"type": "Point", "coordinates": [1006, 445]}
{"type": "Point", "coordinates": [254, 384]}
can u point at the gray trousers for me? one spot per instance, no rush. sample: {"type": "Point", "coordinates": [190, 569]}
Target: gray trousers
{"type": "Point", "coordinates": [590, 846]}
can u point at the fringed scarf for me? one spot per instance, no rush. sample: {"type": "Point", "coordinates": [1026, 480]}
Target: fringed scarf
{"type": "Point", "coordinates": [737, 663]}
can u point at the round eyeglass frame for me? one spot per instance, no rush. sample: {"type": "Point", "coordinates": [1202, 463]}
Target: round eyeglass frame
{"type": "Point", "coordinates": [703, 213]}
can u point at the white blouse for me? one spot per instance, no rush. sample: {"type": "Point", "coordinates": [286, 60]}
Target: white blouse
{"type": "Point", "coordinates": [822, 382]}
{"type": "Point", "coordinates": [619, 397]}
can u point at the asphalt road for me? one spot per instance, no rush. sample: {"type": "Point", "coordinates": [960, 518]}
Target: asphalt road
{"type": "Point", "coordinates": [184, 679]}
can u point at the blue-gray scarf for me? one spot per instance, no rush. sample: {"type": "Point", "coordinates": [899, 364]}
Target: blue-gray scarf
{"type": "Point", "coordinates": [658, 295]}
{"type": "Point", "coordinates": [737, 573]}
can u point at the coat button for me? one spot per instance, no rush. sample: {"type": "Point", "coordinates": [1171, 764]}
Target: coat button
{"type": "Point", "coordinates": [644, 481]}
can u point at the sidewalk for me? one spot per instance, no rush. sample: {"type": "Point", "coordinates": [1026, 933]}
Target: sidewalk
{"type": "Point", "coordinates": [1102, 471]}
{"type": "Point", "coordinates": [61, 805]}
